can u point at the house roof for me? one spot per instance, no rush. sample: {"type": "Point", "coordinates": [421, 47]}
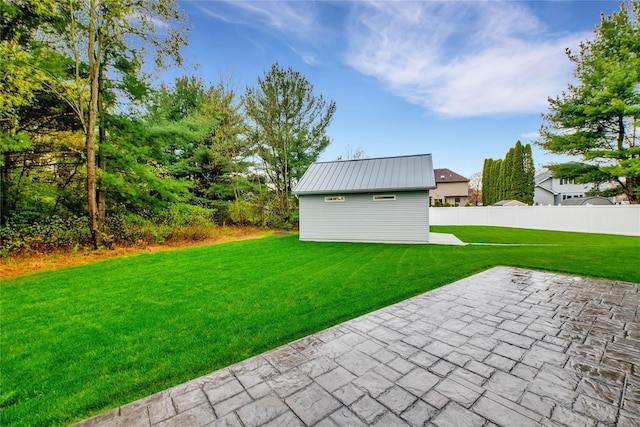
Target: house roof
{"type": "Point", "coordinates": [447, 175]}
{"type": "Point", "coordinates": [404, 173]}
{"type": "Point", "coordinates": [542, 176]}
{"type": "Point", "coordinates": [589, 200]}
{"type": "Point", "coordinates": [509, 203]}
{"type": "Point", "coordinates": [548, 190]}
{"type": "Point", "coordinates": [540, 179]}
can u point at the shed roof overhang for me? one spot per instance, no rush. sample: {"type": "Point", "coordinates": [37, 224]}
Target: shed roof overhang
{"type": "Point", "coordinates": [401, 174]}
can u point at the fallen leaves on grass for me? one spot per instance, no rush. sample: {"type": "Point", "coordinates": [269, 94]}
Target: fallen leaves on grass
{"type": "Point", "coordinates": [15, 266]}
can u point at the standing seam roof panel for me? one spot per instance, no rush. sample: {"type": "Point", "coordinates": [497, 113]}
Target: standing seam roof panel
{"type": "Point", "coordinates": [420, 167]}
{"type": "Point", "coordinates": [375, 175]}
{"type": "Point", "coordinates": [403, 174]}
{"type": "Point", "coordinates": [365, 174]}
{"type": "Point", "coordinates": [351, 182]}
{"type": "Point", "coordinates": [336, 176]}
{"type": "Point", "coordinates": [332, 174]}
{"type": "Point", "coordinates": [362, 175]}
{"type": "Point", "coordinates": [346, 179]}
{"type": "Point", "coordinates": [388, 174]}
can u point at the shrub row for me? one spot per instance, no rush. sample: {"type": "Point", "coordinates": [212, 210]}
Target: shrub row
{"type": "Point", "coordinates": [177, 223]}
{"type": "Point", "coordinates": [41, 236]}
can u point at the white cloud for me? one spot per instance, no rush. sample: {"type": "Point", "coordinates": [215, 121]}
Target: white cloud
{"type": "Point", "coordinates": [308, 57]}
{"type": "Point", "coordinates": [293, 18]}
{"type": "Point", "coordinates": [460, 59]}
{"type": "Point", "coordinates": [531, 135]}
{"type": "Point", "coordinates": [298, 21]}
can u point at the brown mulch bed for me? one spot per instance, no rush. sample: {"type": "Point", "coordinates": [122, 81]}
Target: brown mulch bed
{"type": "Point", "coordinates": [15, 266]}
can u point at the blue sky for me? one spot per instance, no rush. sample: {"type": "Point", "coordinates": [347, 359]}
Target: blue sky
{"type": "Point", "coordinates": [463, 80]}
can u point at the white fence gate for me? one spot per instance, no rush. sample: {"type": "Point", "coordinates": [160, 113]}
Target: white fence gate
{"type": "Point", "coordinates": [615, 219]}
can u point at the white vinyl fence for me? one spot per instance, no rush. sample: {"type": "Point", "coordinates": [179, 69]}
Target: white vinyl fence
{"type": "Point", "coordinates": [614, 219]}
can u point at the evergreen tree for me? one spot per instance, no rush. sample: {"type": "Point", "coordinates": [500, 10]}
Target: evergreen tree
{"type": "Point", "coordinates": [487, 190]}
{"type": "Point", "coordinates": [598, 117]}
{"type": "Point", "coordinates": [530, 174]}
{"type": "Point", "coordinates": [198, 134]}
{"type": "Point", "coordinates": [508, 166]}
{"type": "Point", "coordinates": [497, 170]}
{"type": "Point", "coordinates": [511, 178]}
{"type": "Point", "coordinates": [518, 177]}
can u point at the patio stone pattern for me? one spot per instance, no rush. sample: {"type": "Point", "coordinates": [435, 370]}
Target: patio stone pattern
{"type": "Point", "coordinates": [506, 347]}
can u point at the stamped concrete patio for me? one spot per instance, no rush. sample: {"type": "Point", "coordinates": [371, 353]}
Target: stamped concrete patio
{"type": "Point", "coordinates": [505, 347]}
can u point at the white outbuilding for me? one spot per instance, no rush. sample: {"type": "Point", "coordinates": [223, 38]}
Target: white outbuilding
{"type": "Point", "coordinates": [367, 200]}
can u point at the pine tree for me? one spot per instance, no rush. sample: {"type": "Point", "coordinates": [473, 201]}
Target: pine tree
{"type": "Point", "coordinates": [597, 117]}
{"type": "Point", "coordinates": [530, 173]}
{"type": "Point", "coordinates": [508, 184]}
{"type": "Point", "coordinates": [498, 185]}
{"type": "Point", "coordinates": [486, 182]}
{"type": "Point", "coordinates": [517, 176]}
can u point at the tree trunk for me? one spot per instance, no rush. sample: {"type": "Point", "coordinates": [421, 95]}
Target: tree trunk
{"type": "Point", "coordinates": [94, 215]}
{"type": "Point", "coordinates": [102, 159]}
{"type": "Point", "coordinates": [621, 131]}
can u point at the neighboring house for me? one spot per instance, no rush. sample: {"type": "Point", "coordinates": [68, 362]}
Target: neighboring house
{"type": "Point", "coordinates": [554, 191]}
{"type": "Point", "coordinates": [510, 203]}
{"type": "Point", "coordinates": [367, 200]}
{"type": "Point", "coordinates": [450, 188]}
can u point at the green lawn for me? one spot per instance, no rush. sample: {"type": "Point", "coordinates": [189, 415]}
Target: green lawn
{"type": "Point", "coordinates": [79, 341]}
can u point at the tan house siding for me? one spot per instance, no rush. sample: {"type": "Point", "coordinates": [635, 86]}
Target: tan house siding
{"type": "Point", "coordinates": [450, 192]}
{"type": "Point", "coordinates": [450, 188]}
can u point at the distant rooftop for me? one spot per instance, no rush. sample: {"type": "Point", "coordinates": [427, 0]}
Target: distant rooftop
{"type": "Point", "coordinates": [447, 175]}
{"type": "Point", "coordinates": [589, 200]}
{"type": "Point", "coordinates": [509, 203]}
{"type": "Point", "coordinates": [542, 176]}
{"type": "Point", "coordinates": [403, 173]}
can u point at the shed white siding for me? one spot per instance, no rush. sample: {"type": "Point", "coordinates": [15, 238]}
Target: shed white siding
{"type": "Point", "coordinates": [361, 219]}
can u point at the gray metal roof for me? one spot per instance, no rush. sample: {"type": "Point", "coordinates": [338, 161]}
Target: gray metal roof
{"type": "Point", "coordinates": [403, 173]}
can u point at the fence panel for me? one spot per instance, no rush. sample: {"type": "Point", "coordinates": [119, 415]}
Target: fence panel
{"type": "Point", "coordinates": [618, 219]}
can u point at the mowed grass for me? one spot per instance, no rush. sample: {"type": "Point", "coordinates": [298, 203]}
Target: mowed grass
{"type": "Point", "coordinates": [79, 341]}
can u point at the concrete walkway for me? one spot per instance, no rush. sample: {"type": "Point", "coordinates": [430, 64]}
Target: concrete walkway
{"type": "Point", "coordinates": [444, 239]}
{"type": "Point", "coordinates": [505, 347]}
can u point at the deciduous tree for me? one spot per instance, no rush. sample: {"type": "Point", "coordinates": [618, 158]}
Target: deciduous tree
{"type": "Point", "coordinates": [475, 189]}
{"type": "Point", "coordinates": [288, 127]}
{"type": "Point", "coordinates": [112, 38]}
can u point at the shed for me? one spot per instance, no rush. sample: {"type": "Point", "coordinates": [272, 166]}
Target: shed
{"type": "Point", "coordinates": [367, 200]}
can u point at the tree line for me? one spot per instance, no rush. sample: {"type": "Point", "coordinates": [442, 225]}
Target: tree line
{"type": "Point", "coordinates": [85, 137]}
{"type": "Point", "coordinates": [511, 178]}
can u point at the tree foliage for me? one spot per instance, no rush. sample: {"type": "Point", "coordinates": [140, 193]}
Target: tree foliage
{"type": "Point", "coordinates": [511, 178]}
{"type": "Point", "coordinates": [117, 32]}
{"type": "Point", "coordinates": [288, 125]}
{"type": "Point", "coordinates": [475, 189]}
{"type": "Point", "coordinates": [65, 62]}
{"type": "Point", "coordinates": [598, 118]}
{"type": "Point", "coordinates": [84, 136]}
{"type": "Point", "coordinates": [200, 135]}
